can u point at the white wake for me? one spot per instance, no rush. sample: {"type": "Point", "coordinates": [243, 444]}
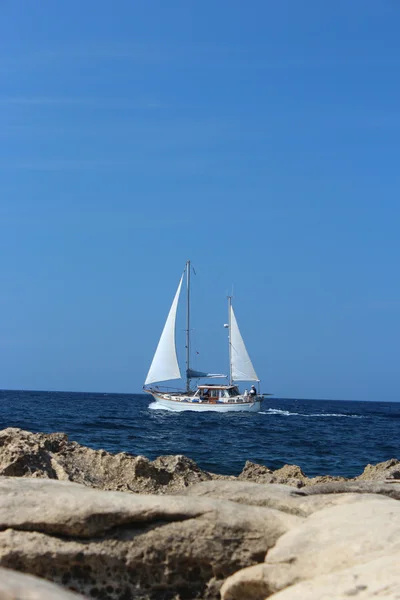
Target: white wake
{"type": "Point", "coordinates": [286, 413]}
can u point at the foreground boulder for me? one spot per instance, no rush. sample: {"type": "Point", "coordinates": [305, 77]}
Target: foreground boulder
{"type": "Point", "coordinates": [376, 579]}
{"type": "Point", "coordinates": [329, 541]}
{"type": "Point", "coordinates": [116, 545]}
{"type": "Point", "coordinates": [253, 540]}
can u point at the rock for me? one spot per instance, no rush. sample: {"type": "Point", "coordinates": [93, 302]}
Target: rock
{"type": "Point", "coordinates": [388, 470]}
{"type": "Point", "coordinates": [338, 537]}
{"type": "Point", "coordinates": [115, 545]}
{"type": "Point", "coordinates": [277, 496]}
{"type": "Point", "coordinates": [26, 454]}
{"type": "Point", "coordinates": [17, 586]}
{"type": "Point", "coordinates": [355, 487]}
{"type": "Point", "coordinates": [255, 472]}
{"type": "Point", "coordinates": [286, 475]}
{"type": "Point", "coordinates": [294, 476]}
{"type": "Point", "coordinates": [330, 540]}
{"type": "Point", "coordinates": [290, 472]}
{"type": "Point", "coordinates": [53, 456]}
{"type": "Point", "coordinates": [253, 583]}
{"type": "Point", "coordinates": [263, 533]}
{"type": "Point", "coordinates": [376, 579]}
{"type": "Point", "coordinates": [325, 479]}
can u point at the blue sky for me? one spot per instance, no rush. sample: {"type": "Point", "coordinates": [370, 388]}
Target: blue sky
{"type": "Point", "coordinates": [261, 140]}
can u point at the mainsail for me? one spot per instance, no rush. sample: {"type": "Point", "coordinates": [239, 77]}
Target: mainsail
{"type": "Point", "coordinates": [165, 362]}
{"type": "Point", "coordinates": [241, 366]}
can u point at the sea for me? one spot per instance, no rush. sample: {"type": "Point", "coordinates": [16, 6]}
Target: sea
{"type": "Point", "coordinates": [323, 437]}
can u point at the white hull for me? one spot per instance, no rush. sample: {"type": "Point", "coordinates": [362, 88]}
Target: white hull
{"type": "Point", "coordinates": [221, 407]}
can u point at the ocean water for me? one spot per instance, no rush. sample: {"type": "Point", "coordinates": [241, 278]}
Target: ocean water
{"type": "Point", "coordinates": [322, 437]}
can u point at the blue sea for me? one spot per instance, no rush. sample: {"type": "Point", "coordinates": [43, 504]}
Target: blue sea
{"type": "Point", "coordinates": [322, 437]}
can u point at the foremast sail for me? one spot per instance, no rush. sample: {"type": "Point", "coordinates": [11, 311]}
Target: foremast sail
{"type": "Point", "coordinates": [165, 361]}
{"type": "Point", "coordinates": [165, 364]}
{"type": "Point", "coordinates": [241, 367]}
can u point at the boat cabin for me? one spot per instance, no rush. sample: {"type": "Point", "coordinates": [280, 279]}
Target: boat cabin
{"type": "Point", "coordinates": [217, 392]}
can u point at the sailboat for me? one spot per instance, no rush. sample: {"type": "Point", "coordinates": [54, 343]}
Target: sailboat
{"type": "Point", "coordinates": [204, 397]}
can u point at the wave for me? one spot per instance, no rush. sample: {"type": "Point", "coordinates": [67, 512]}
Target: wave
{"type": "Point", "coordinates": [276, 411]}
{"type": "Point", "coordinates": [335, 415]}
{"type": "Point", "coordinates": [179, 408]}
{"type": "Point", "coordinates": [157, 406]}
{"type": "Point", "coordinates": [270, 411]}
{"type": "Point", "coordinates": [286, 413]}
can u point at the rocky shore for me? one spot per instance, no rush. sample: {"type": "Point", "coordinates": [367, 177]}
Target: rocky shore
{"type": "Point", "coordinates": [78, 522]}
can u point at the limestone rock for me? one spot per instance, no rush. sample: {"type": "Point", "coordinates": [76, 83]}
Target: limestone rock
{"type": "Point", "coordinates": [388, 470]}
{"type": "Point", "coordinates": [17, 586]}
{"type": "Point", "coordinates": [355, 487]}
{"type": "Point", "coordinates": [338, 537]}
{"type": "Point", "coordinates": [376, 579]}
{"type": "Point", "coordinates": [26, 454]}
{"type": "Point", "coordinates": [293, 475]}
{"type": "Point", "coordinates": [255, 472]}
{"type": "Point", "coordinates": [114, 545]}
{"type": "Point", "coordinates": [331, 540]}
{"type": "Point", "coordinates": [53, 456]}
{"type": "Point", "coordinates": [289, 474]}
{"type": "Point", "coordinates": [200, 530]}
{"type": "Point", "coordinates": [252, 583]}
{"type": "Point", "coordinates": [280, 497]}
{"type": "Point", "coordinates": [319, 479]}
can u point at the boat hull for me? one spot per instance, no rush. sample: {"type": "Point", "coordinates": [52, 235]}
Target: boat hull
{"type": "Point", "coordinates": [221, 407]}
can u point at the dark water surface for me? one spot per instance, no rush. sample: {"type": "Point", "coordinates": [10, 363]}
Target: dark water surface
{"type": "Point", "coordinates": [322, 437]}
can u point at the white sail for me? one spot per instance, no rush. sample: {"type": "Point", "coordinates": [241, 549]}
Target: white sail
{"type": "Point", "coordinates": [165, 362]}
{"type": "Point", "coordinates": [241, 365]}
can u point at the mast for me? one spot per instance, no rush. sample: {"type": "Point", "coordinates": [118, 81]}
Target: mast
{"type": "Point", "coordinates": [229, 338]}
{"type": "Point", "coordinates": [187, 325]}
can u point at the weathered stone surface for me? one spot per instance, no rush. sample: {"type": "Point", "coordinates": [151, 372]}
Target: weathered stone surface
{"type": "Point", "coordinates": [329, 541]}
{"type": "Point", "coordinates": [252, 583]}
{"type": "Point", "coordinates": [255, 472]}
{"type": "Point", "coordinates": [112, 545]}
{"type": "Point", "coordinates": [26, 454]}
{"type": "Point", "coordinates": [294, 476]}
{"type": "Point", "coordinates": [288, 475]}
{"type": "Point", "coordinates": [388, 470]}
{"type": "Point", "coordinates": [376, 579]}
{"type": "Point", "coordinates": [53, 456]}
{"type": "Point", "coordinates": [355, 487]}
{"type": "Point", "coordinates": [17, 586]}
{"type": "Point", "coordinates": [337, 537]}
{"type": "Point", "coordinates": [116, 545]}
{"type": "Point", "coordinates": [280, 497]}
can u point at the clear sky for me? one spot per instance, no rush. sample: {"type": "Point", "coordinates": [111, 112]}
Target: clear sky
{"type": "Point", "coordinates": [259, 139]}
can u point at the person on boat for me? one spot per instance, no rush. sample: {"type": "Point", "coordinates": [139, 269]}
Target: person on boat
{"type": "Point", "coordinates": [206, 394]}
{"type": "Point", "coordinates": [253, 391]}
